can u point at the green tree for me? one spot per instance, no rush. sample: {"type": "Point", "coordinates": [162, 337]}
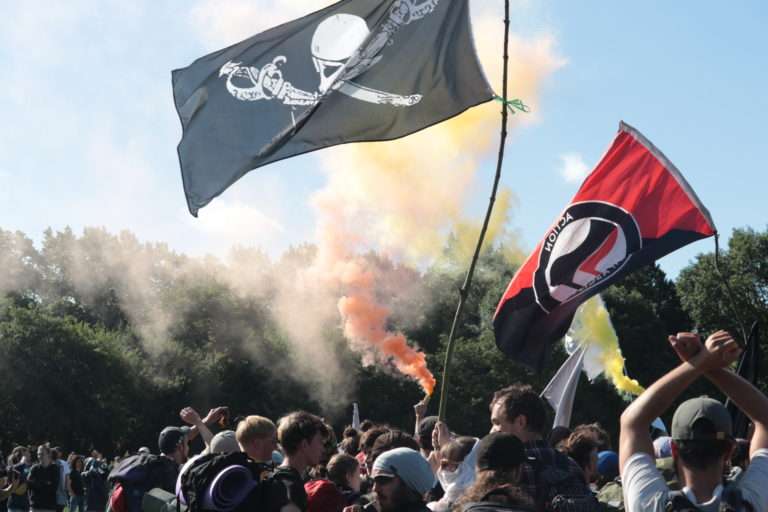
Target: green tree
{"type": "Point", "coordinates": [745, 266]}
{"type": "Point", "coordinates": [64, 381]}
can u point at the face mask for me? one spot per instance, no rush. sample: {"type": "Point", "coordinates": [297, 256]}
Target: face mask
{"type": "Point", "coordinates": [447, 477]}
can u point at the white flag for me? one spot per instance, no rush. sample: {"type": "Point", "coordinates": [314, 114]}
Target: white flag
{"type": "Point", "coordinates": [561, 390]}
{"type": "Point", "coordinates": [355, 416]}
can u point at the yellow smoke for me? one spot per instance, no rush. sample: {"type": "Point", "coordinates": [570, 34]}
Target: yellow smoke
{"type": "Point", "coordinates": [592, 327]}
{"type": "Point", "coordinates": [405, 197]}
{"type": "Point", "coordinates": [408, 195]}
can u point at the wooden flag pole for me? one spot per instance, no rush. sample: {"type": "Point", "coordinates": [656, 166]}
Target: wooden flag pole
{"type": "Point", "coordinates": [464, 290]}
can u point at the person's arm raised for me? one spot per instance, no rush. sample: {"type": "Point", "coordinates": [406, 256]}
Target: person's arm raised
{"type": "Point", "coordinates": [743, 393]}
{"type": "Point", "coordinates": [420, 411]}
{"type": "Point", "coordinates": [190, 416]}
{"type": "Point", "coordinates": [634, 436]}
{"type": "Point", "coordinates": [747, 398]}
{"type": "Point", "coordinates": [721, 350]}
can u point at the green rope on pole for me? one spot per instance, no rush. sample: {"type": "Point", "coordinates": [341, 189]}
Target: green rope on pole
{"type": "Point", "coordinates": [515, 104]}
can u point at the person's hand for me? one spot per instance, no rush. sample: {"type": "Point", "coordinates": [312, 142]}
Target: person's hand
{"type": "Point", "coordinates": [434, 460]}
{"type": "Point", "coordinates": [190, 416]}
{"type": "Point", "coordinates": [435, 440]}
{"type": "Point", "coordinates": [421, 408]}
{"type": "Point", "coordinates": [353, 508]}
{"type": "Point", "coordinates": [685, 344]}
{"type": "Point", "coordinates": [215, 415]}
{"type": "Point", "coordinates": [720, 350]}
{"type": "Point", "coordinates": [440, 435]}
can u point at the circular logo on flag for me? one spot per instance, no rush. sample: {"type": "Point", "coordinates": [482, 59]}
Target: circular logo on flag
{"type": "Point", "coordinates": [589, 243]}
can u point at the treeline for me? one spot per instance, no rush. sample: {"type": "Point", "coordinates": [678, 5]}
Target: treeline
{"type": "Point", "coordinates": [104, 338]}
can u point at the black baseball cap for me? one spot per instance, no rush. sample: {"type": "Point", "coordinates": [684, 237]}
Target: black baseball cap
{"type": "Point", "coordinates": [500, 451]}
{"type": "Point", "coordinates": [688, 416]}
{"type": "Point", "coordinates": [170, 437]}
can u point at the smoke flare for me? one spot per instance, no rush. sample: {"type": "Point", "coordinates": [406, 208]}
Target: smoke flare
{"type": "Point", "coordinates": [401, 199]}
{"type": "Point", "coordinates": [592, 328]}
{"type": "Point", "coordinates": [364, 320]}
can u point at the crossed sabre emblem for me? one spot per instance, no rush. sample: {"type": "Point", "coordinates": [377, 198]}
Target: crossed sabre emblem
{"type": "Point", "coordinates": [335, 50]}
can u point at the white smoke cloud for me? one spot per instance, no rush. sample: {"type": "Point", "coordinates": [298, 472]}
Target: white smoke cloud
{"type": "Point", "coordinates": [235, 223]}
{"type": "Point", "coordinates": [573, 169]}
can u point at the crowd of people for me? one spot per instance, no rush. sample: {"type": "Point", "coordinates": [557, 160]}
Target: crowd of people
{"type": "Point", "coordinates": [299, 464]}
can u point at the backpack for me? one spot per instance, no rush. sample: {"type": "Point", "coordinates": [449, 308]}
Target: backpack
{"type": "Point", "coordinates": [254, 488]}
{"type": "Point", "coordinates": [490, 506]}
{"type": "Point", "coordinates": [551, 478]}
{"type": "Point", "coordinates": [730, 501]}
{"type": "Point", "coordinates": [134, 476]}
{"type": "Point", "coordinates": [612, 495]}
{"type": "Point", "coordinates": [486, 505]}
{"type": "Point", "coordinates": [293, 485]}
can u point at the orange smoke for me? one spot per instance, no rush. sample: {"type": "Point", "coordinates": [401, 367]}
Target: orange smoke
{"type": "Point", "coordinates": [403, 198]}
{"type": "Point", "coordinates": [364, 324]}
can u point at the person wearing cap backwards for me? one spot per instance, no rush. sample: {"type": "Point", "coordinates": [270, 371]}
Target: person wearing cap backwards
{"type": "Point", "coordinates": [401, 478]}
{"type": "Point", "coordinates": [701, 435]}
{"type": "Point", "coordinates": [173, 444]}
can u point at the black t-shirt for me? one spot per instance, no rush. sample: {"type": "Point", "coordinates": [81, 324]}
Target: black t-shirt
{"type": "Point", "coordinates": [76, 482]}
{"type": "Point", "coordinates": [170, 474]}
{"type": "Point", "coordinates": [42, 483]}
{"type": "Point", "coordinates": [294, 484]}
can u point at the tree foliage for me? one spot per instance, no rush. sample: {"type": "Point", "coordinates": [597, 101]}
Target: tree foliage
{"type": "Point", "coordinates": [104, 338]}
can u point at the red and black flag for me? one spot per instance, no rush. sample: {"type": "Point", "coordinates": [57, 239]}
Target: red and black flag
{"type": "Point", "coordinates": [358, 70]}
{"type": "Point", "coordinates": [634, 208]}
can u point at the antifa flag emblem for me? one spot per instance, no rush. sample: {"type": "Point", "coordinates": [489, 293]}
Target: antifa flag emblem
{"type": "Point", "coordinates": [589, 243]}
{"type": "Point", "coordinates": [355, 71]}
{"type": "Point", "coordinates": [634, 208]}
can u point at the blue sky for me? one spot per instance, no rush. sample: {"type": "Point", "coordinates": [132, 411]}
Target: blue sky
{"type": "Point", "coordinates": [89, 134]}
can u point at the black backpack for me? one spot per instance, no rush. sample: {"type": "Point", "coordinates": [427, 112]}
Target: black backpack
{"type": "Point", "coordinates": [134, 476]}
{"type": "Point", "coordinates": [266, 495]}
{"type": "Point", "coordinates": [490, 506]}
{"type": "Point", "coordinates": [551, 480]}
{"type": "Point", "coordinates": [730, 501]}
{"type": "Point", "coordinates": [486, 505]}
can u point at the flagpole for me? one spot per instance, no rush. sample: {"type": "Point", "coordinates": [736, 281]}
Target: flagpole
{"type": "Point", "coordinates": [464, 290]}
{"type": "Point", "coordinates": [742, 326]}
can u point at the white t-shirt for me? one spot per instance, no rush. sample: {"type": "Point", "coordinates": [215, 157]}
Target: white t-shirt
{"type": "Point", "coordinates": [646, 491]}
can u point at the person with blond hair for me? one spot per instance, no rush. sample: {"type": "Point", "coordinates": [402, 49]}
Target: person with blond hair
{"type": "Point", "coordinates": [257, 436]}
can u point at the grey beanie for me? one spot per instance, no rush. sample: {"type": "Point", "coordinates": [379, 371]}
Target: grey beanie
{"type": "Point", "coordinates": [409, 465]}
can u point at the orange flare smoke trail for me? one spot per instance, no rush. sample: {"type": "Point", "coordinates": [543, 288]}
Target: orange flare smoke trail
{"type": "Point", "coordinates": [364, 323]}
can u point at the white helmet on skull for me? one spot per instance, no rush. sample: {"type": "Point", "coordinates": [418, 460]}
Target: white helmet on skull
{"type": "Point", "coordinates": [335, 40]}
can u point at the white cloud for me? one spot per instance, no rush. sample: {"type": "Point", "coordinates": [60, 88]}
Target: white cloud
{"type": "Point", "coordinates": [235, 223]}
{"type": "Point", "coordinates": [572, 167]}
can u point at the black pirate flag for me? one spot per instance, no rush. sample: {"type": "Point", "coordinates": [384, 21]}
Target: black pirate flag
{"type": "Point", "coordinates": [359, 70]}
{"type": "Point", "coordinates": [633, 209]}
